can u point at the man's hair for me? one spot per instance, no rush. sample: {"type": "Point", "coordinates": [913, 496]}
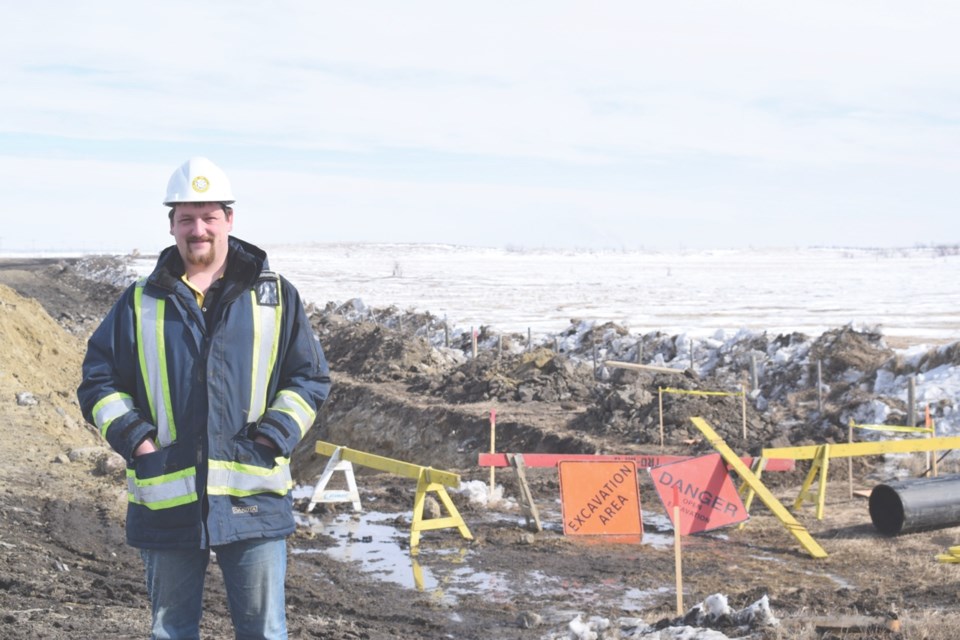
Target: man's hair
{"type": "Point", "coordinates": [227, 209]}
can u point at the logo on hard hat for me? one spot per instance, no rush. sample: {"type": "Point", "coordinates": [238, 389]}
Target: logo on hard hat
{"type": "Point", "coordinates": [200, 184]}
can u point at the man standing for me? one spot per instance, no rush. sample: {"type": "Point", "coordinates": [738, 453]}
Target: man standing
{"type": "Point", "coordinates": [204, 376]}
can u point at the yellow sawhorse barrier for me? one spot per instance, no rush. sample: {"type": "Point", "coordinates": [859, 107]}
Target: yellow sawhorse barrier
{"type": "Point", "coordinates": [821, 454]}
{"type": "Point", "coordinates": [821, 463]}
{"type": "Point", "coordinates": [795, 528]}
{"type": "Point", "coordinates": [428, 479]}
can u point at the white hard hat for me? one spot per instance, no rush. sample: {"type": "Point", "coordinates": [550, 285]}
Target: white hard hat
{"type": "Point", "coordinates": [198, 180]}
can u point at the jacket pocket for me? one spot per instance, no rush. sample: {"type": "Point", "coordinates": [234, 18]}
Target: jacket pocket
{"type": "Point", "coordinates": [159, 480]}
{"type": "Point", "coordinates": [254, 469]}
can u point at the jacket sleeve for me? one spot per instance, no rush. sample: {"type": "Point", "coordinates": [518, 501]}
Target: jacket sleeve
{"type": "Point", "coordinates": [304, 379]}
{"type": "Point", "coordinates": [108, 391]}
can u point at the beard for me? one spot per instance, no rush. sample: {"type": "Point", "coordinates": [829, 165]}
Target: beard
{"type": "Point", "coordinates": [198, 259]}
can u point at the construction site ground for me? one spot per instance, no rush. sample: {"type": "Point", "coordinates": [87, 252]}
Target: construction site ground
{"type": "Point", "coordinates": [65, 571]}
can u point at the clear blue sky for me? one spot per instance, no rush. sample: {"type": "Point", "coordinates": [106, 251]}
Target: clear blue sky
{"type": "Point", "coordinates": [658, 125]}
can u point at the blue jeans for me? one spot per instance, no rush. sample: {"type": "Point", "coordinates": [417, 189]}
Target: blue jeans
{"type": "Point", "coordinates": [253, 573]}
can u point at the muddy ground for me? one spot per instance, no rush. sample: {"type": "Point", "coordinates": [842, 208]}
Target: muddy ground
{"type": "Point", "coordinates": [66, 572]}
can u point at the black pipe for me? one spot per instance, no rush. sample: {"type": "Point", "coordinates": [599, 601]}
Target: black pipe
{"type": "Point", "coordinates": [916, 504]}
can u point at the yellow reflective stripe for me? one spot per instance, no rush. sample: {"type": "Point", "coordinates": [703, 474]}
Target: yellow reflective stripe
{"type": "Point", "coordinates": [258, 390]}
{"type": "Point", "coordinates": [266, 341]}
{"type": "Point", "coordinates": [277, 316]}
{"type": "Point", "coordinates": [109, 409]}
{"type": "Point", "coordinates": [169, 429]}
{"type": "Point", "coordinates": [163, 492]}
{"type": "Point", "coordinates": [141, 347]}
{"type": "Point", "coordinates": [152, 351]}
{"type": "Point", "coordinates": [290, 403]}
{"type": "Point", "coordinates": [238, 479]}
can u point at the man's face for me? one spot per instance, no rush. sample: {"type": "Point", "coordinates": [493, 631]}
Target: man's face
{"type": "Point", "coordinates": [201, 230]}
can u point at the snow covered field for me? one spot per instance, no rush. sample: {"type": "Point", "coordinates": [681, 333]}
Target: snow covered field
{"type": "Point", "coordinates": [910, 294]}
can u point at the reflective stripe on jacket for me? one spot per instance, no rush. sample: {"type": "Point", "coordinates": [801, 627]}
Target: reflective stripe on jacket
{"type": "Point", "coordinates": [203, 393]}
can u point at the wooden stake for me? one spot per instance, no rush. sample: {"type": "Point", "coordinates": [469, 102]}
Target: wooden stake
{"type": "Point", "coordinates": [743, 409]}
{"type": "Point", "coordinates": [474, 332]}
{"type": "Point", "coordinates": [530, 511]}
{"type": "Point", "coordinates": [819, 387]}
{"type": "Point", "coordinates": [660, 400]}
{"type": "Point", "coordinates": [677, 556]}
{"type": "Point", "coordinates": [641, 367]}
{"type": "Point", "coordinates": [850, 459]}
{"type": "Point", "coordinates": [493, 448]}
{"type": "Point", "coordinates": [933, 434]}
{"type": "Point", "coordinates": [912, 401]}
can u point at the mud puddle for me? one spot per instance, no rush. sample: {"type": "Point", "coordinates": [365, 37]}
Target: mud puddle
{"type": "Point", "coordinates": [376, 543]}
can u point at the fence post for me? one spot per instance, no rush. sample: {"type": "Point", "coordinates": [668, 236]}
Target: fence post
{"type": "Point", "coordinates": [912, 401]}
{"type": "Point", "coordinates": [660, 402]}
{"type": "Point", "coordinates": [743, 409]}
{"type": "Point", "coordinates": [850, 458]}
{"type": "Point", "coordinates": [493, 449]}
{"type": "Point", "coordinates": [819, 387]}
{"type": "Point", "coordinates": [932, 455]}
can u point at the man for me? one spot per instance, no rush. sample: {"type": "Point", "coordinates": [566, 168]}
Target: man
{"type": "Point", "coordinates": [204, 376]}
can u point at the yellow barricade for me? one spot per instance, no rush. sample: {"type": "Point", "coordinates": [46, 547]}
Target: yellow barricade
{"type": "Point", "coordinates": [821, 454]}
{"type": "Point", "coordinates": [428, 479]}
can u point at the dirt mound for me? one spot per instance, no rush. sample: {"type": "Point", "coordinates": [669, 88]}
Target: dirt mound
{"type": "Point", "coordinates": [846, 352]}
{"type": "Point", "coordinates": [39, 365]}
{"type": "Point", "coordinates": [372, 352]}
{"type": "Point", "coordinates": [540, 375]}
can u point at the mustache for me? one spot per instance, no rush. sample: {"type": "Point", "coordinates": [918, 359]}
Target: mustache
{"type": "Point", "coordinates": [199, 239]}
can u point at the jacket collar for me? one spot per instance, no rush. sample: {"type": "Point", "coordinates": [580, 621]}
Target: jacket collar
{"type": "Point", "coordinates": [245, 262]}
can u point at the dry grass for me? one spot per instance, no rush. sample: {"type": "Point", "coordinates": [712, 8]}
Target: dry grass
{"type": "Point", "coordinates": [931, 625]}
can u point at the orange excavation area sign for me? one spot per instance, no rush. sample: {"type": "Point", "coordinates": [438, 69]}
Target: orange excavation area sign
{"type": "Point", "coordinates": [600, 498]}
{"type": "Point", "coordinates": [702, 488]}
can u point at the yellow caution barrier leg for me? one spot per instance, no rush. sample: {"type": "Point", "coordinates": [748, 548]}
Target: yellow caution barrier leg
{"type": "Point", "coordinates": [795, 528]}
{"type": "Point", "coordinates": [818, 471]}
{"type": "Point", "coordinates": [748, 493]}
{"type": "Point", "coordinates": [453, 519]}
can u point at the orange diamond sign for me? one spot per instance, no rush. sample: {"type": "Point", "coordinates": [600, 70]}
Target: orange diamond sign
{"type": "Point", "coordinates": [703, 489]}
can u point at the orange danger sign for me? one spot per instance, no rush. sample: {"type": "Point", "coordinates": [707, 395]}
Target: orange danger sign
{"type": "Point", "coordinates": [703, 490]}
{"type": "Point", "coordinates": [600, 498]}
